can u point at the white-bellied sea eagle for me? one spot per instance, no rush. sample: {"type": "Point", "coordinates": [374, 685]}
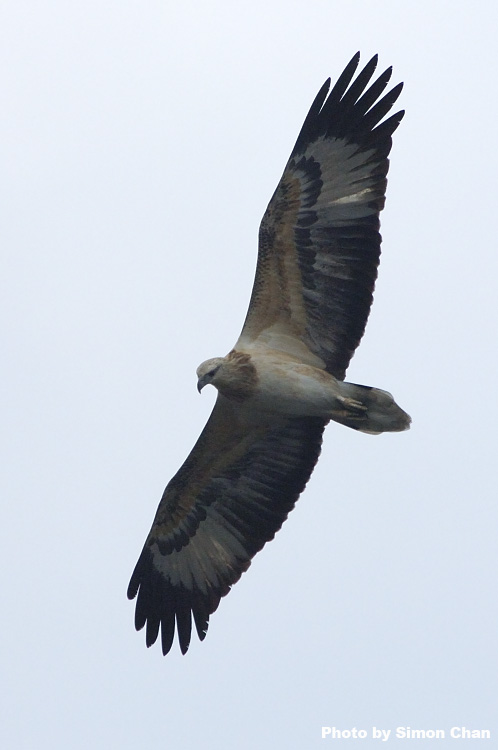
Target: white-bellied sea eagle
{"type": "Point", "coordinates": [319, 248]}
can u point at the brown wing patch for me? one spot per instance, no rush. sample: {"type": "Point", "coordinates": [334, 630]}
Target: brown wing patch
{"type": "Point", "coordinates": [276, 292]}
{"type": "Point", "coordinates": [223, 441]}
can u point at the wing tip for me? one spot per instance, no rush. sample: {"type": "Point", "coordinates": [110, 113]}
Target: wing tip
{"type": "Point", "coordinates": [355, 60]}
{"type": "Point", "coordinates": [164, 609]}
{"type": "Point", "coordinates": [352, 108]}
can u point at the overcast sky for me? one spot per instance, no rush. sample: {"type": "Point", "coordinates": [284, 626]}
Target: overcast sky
{"type": "Point", "coordinates": [140, 143]}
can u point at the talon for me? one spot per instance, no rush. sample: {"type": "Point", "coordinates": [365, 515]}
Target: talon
{"type": "Point", "coordinates": [353, 404]}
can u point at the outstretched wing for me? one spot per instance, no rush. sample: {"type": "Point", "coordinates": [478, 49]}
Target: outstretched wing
{"type": "Point", "coordinates": [319, 241]}
{"type": "Point", "coordinates": [231, 496]}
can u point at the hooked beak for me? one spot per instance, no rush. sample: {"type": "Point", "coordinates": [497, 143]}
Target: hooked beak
{"type": "Point", "coordinates": [201, 383]}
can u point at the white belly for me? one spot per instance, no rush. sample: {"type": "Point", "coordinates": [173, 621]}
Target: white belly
{"type": "Point", "coordinates": [295, 389]}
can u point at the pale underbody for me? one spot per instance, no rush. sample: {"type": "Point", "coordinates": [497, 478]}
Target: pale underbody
{"type": "Point", "coordinates": [277, 383]}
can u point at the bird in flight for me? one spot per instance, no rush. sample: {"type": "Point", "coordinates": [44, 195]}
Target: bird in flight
{"type": "Point", "coordinates": [319, 248]}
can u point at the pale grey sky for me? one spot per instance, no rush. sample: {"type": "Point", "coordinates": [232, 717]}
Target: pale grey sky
{"type": "Point", "coordinates": [140, 144]}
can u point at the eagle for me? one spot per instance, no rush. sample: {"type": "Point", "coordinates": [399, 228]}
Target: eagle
{"type": "Point", "coordinates": [319, 249]}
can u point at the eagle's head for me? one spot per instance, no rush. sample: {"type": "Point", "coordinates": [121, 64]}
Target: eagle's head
{"type": "Point", "coordinates": [207, 371]}
{"type": "Point", "coordinates": [234, 375]}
